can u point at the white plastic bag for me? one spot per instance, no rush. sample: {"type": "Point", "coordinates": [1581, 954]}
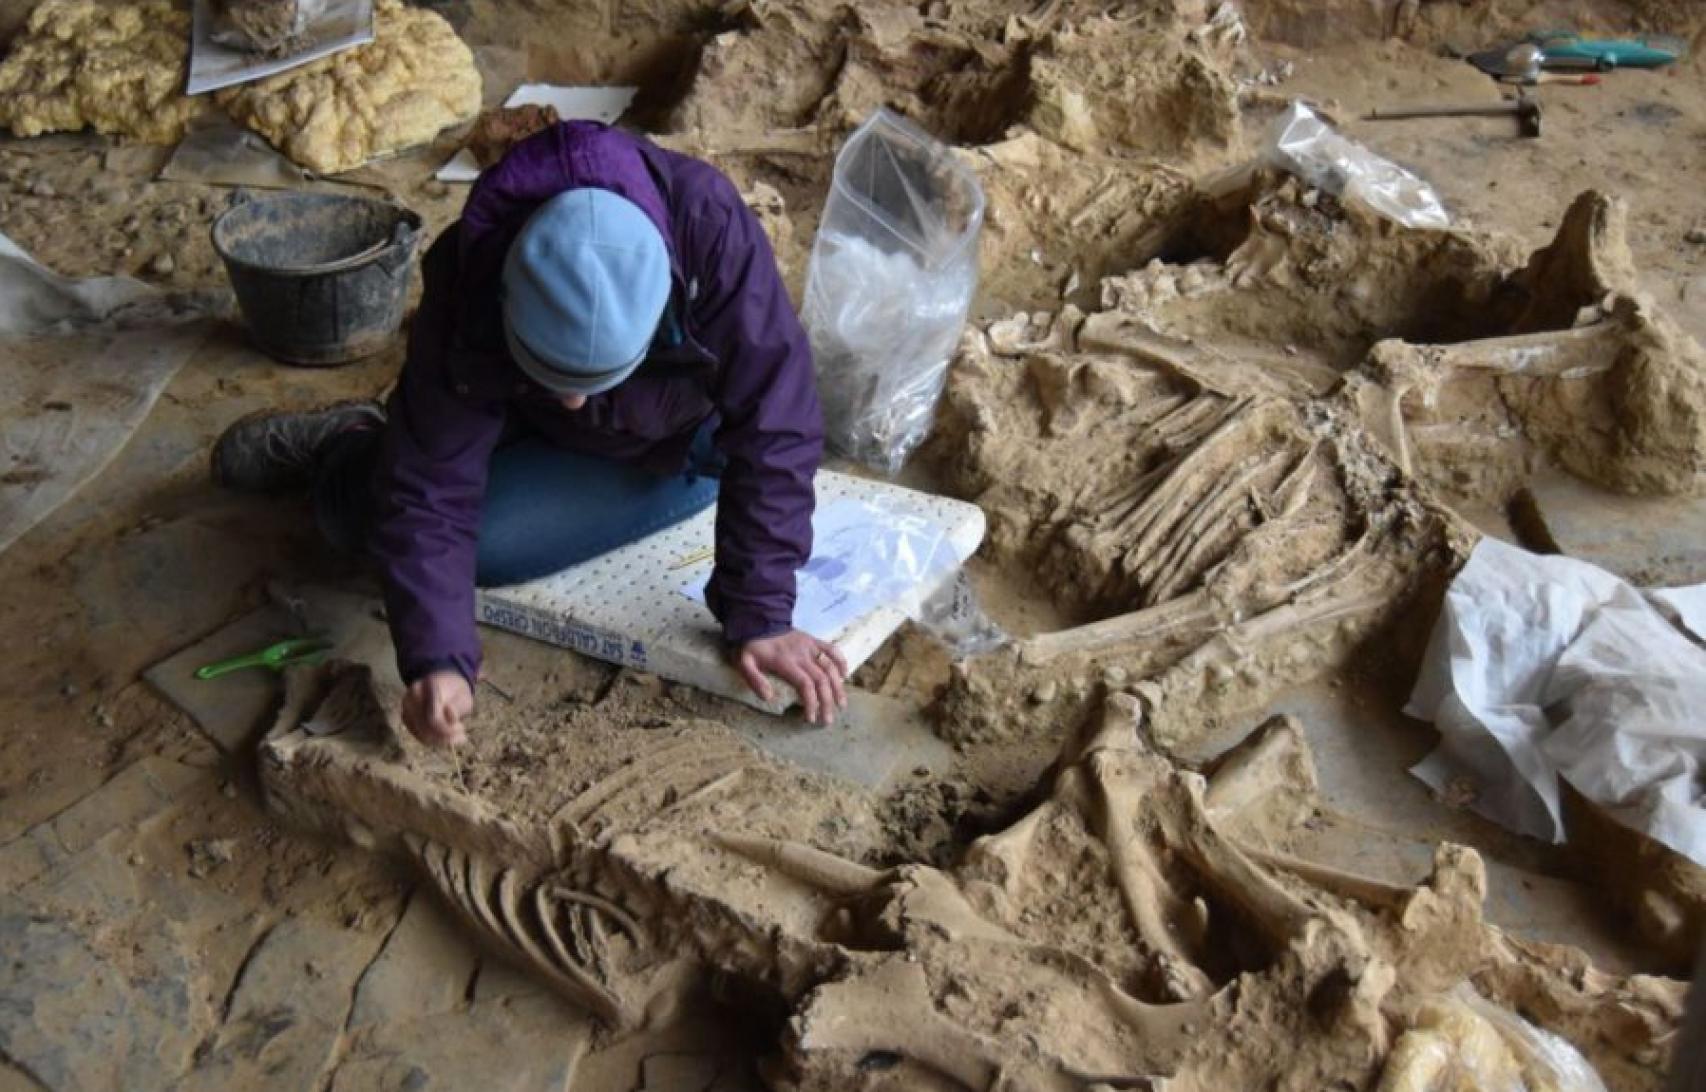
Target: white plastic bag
{"type": "Point", "coordinates": [1312, 150]}
{"type": "Point", "coordinates": [1461, 1041]}
{"type": "Point", "coordinates": [892, 275]}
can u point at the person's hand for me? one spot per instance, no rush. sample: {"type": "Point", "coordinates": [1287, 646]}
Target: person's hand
{"type": "Point", "coordinates": [815, 669]}
{"type": "Point", "coordinates": [435, 706]}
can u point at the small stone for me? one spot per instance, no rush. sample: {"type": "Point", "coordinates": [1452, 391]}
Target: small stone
{"type": "Point", "coordinates": [1045, 692]}
{"type": "Point", "coordinates": [228, 791]}
{"type": "Point", "coordinates": [174, 216]}
{"type": "Point", "coordinates": [208, 854]}
{"type": "Point", "coordinates": [163, 265]}
{"type": "Point", "coordinates": [1696, 235]}
{"type": "Point", "coordinates": [104, 719]}
{"type": "Point", "coordinates": [1115, 677]}
{"type": "Point", "coordinates": [69, 690]}
{"type": "Point", "coordinates": [41, 187]}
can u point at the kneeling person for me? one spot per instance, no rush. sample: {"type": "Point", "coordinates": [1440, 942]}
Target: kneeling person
{"type": "Point", "coordinates": [604, 348]}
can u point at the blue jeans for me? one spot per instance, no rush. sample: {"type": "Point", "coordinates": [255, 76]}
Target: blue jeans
{"type": "Point", "coordinates": [546, 509]}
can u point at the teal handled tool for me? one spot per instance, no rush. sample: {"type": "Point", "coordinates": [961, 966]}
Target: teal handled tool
{"type": "Point", "coordinates": [277, 657]}
{"type": "Point", "coordinates": [1566, 47]}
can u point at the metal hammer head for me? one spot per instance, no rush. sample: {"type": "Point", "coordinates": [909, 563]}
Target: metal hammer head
{"type": "Point", "coordinates": [1528, 115]}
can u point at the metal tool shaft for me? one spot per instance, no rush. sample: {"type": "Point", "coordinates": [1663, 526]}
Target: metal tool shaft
{"type": "Point", "coordinates": [1445, 111]}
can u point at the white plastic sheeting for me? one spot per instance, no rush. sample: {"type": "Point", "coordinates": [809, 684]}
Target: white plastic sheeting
{"type": "Point", "coordinates": [81, 364]}
{"type": "Point", "coordinates": [1544, 669]}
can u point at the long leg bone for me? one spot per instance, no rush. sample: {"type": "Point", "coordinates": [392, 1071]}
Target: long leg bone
{"type": "Point", "coordinates": [1165, 507]}
{"type": "Point", "coordinates": [1281, 916]}
{"type": "Point", "coordinates": [805, 863]}
{"type": "Point", "coordinates": [1188, 613]}
{"type": "Point", "coordinates": [1273, 760]}
{"type": "Point", "coordinates": [1107, 784]}
{"type": "Point", "coordinates": [1217, 525]}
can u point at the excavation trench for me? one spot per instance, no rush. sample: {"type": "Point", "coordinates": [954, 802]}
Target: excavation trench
{"type": "Point", "coordinates": [1222, 427]}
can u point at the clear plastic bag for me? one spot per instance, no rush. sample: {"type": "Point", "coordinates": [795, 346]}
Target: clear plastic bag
{"type": "Point", "coordinates": [1314, 151]}
{"type": "Point", "coordinates": [954, 617]}
{"type": "Point", "coordinates": [892, 275]}
{"type": "Point", "coordinates": [1461, 1041]}
{"type": "Point", "coordinates": [869, 554]}
{"type": "Point", "coordinates": [1549, 1063]}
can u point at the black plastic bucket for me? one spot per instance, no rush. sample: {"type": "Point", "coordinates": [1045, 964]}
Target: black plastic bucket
{"type": "Point", "coordinates": [321, 278]}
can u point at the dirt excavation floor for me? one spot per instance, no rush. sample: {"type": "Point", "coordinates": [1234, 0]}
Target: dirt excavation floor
{"type": "Point", "coordinates": [1232, 436]}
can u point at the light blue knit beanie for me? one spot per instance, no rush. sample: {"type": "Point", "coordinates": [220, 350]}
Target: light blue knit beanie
{"type": "Point", "coordinates": [584, 286]}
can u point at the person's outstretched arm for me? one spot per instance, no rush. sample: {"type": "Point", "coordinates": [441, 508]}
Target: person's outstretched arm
{"type": "Point", "coordinates": [772, 437]}
{"type": "Point", "coordinates": [430, 487]}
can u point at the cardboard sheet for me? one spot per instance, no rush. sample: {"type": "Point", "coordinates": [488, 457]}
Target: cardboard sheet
{"type": "Point", "coordinates": [1543, 668]}
{"type": "Point", "coordinates": [604, 104]}
{"type": "Point", "coordinates": [234, 709]}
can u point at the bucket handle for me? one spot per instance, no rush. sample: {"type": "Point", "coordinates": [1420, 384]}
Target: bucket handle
{"type": "Point", "coordinates": [402, 245]}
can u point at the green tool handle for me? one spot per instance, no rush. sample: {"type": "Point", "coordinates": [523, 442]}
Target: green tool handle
{"type": "Point", "coordinates": [226, 667]}
{"type": "Point", "coordinates": [278, 656]}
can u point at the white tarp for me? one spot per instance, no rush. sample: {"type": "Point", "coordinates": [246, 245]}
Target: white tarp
{"type": "Point", "coordinates": [81, 364]}
{"type": "Point", "coordinates": [1548, 668]}
{"type": "Point", "coordinates": [36, 300]}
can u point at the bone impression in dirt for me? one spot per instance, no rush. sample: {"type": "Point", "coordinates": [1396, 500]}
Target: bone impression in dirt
{"type": "Point", "coordinates": [1129, 931]}
{"type": "Point", "coordinates": [1237, 472]}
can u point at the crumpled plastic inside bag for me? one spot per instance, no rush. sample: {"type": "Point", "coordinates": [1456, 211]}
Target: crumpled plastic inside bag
{"type": "Point", "coordinates": [1306, 146]}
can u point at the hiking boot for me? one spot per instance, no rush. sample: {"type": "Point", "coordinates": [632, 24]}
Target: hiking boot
{"type": "Point", "coordinates": [270, 452]}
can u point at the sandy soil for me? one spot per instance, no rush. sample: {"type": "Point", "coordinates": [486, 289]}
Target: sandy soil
{"type": "Point", "coordinates": [1091, 161]}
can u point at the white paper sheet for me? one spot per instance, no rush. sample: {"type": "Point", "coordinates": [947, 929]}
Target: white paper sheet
{"type": "Point", "coordinates": [213, 65]}
{"type": "Point", "coordinates": [604, 104]}
{"type": "Point", "coordinates": [1543, 668]}
{"type": "Point", "coordinates": [863, 557]}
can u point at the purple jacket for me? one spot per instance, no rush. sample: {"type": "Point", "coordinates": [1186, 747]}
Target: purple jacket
{"type": "Point", "coordinates": [742, 360]}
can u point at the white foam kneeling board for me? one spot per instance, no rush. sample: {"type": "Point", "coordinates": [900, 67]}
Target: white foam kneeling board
{"type": "Point", "coordinates": [629, 607]}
